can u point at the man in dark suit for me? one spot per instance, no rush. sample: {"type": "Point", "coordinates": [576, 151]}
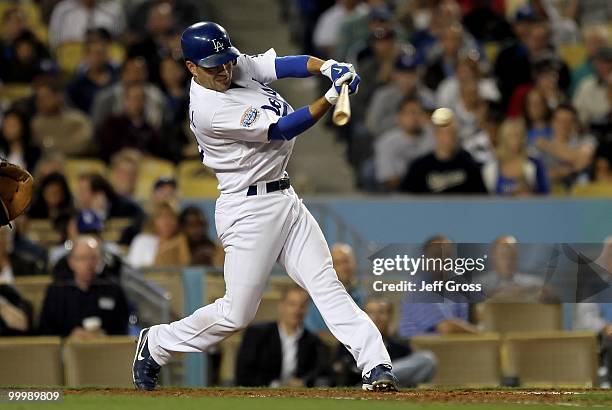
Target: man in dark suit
{"type": "Point", "coordinates": [281, 353]}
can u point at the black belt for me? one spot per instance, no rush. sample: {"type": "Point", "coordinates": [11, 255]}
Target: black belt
{"type": "Point", "coordinates": [283, 183]}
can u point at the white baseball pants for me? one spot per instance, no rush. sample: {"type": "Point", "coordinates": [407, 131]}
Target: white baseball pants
{"type": "Point", "coordinates": [256, 232]}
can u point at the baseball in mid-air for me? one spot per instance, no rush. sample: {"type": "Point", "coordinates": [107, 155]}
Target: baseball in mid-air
{"type": "Point", "coordinates": [442, 117]}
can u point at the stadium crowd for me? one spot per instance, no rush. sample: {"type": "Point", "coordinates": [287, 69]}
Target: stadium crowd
{"type": "Point", "coordinates": [530, 118]}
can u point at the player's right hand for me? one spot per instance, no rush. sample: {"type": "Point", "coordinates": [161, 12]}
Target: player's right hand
{"type": "Point", "coordinates": [340, 73]}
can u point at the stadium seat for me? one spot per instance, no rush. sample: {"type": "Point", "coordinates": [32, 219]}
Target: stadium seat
{"type": "Point", "coordinates": [196, 180]}
{"type": "Point", "coordinates": [552, 358]}
{"type": "Point", "coordinates": [509, 317]}
{"type": "Point", "coordinates": [193, 168]}
{"type": "Point", "coordinates": [194, 188]}
{"type": "Point", "coordinates": [10, 93]}
{"type": "Point", "coordinates": [151, 169]}
{"type": "Point", "coordinates": [69, 55]}
{"type": "Point", "coordinates": [171, 282]}
{"type": "Point", "coordinates": [572, 54]}
{"type": "Point", "coordinates": [467, 360]}
{"type": "Point", "coordinates": [113, 228]}
{"type": "Point", "coordinates": [593, 190]}
{"type": "Point", "coordinates": [33, 289]}
{"type": "Point", "coordinates": [42, 232]}
{"type": "Point", "coordinates": [229, 352]}
{"type": "Point", "coordinates": [75, 167]}
{"type": "Point", "coordinates": [30, 361]}
{"type": "Point", "coordinates": [105, 361]}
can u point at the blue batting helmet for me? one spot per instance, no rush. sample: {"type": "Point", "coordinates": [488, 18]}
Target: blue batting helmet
{"type": "Point", "coordinates": [207, 44]}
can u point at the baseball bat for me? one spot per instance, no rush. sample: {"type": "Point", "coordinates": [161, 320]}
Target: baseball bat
{"type": "Point", "coordinates": [342, 111]}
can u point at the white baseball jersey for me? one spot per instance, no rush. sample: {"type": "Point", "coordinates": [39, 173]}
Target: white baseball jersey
{"type": "Point", "coordinates": [231, 127]}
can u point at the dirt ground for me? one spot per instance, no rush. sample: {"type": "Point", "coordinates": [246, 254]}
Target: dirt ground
{"type": "Point", "coordinates": [541, 396]}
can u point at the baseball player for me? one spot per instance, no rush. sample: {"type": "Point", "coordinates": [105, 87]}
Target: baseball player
{"type": "Point", "coordinates": [245, 132]}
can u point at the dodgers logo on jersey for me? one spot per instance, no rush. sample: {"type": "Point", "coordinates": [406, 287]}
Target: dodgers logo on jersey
{"type": "Point", "coordinates": [249, 117]}
{"type": "Point", "coordinates": [217, 45]}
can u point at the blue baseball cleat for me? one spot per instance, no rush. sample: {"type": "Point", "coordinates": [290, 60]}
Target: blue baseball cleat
{"type": "Point", "coordinates": [145, 371]}
{"type": "Point", "coordinates": [380, 378]}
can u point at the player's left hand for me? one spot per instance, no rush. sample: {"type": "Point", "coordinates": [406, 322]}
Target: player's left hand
{"type": "Point", "coordinates": [340, 73]}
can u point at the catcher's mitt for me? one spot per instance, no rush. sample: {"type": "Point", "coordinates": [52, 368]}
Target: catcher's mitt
{"type": "Point", "coordinates": [15, 191]}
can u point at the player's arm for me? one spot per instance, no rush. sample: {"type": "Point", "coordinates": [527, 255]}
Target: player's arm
{"type": "Point", "coordinates": [305, 66]}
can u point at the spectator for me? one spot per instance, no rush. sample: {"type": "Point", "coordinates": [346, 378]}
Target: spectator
{"type": "Point", "coordinates": [468, 69]}
{"type": "Point", "coordinates": [194, 225]}
{"type": "Point", "coordinates": [59, 127]}
{"type": "Point", "coordinates": [486, 24]}
{"type": "Point", "coordinates": [71, 19]}
{"type": "Point", "coordinates": [514, 172]}
{"type": "Point", "coordinates": [52, 198]}
{"type": "Point", "coordinates": [85, 306]}
{"type": "Point", "coordinates": [111, 100]}
{"type": "Point", "coordinates": [590, 12]}
{"type": "Point", "coordinates": [14, 263]}
{"type": "Point", "coordinates": [545, 72]}
{"type": "Point", "coordinates": [51, 161]}
{"type": "Point", "coordinates": [376, 62]}
{"type": "Point", "coordinates": [447, 317]}
{"type": "Point", "coordinates": [345, 265]}
{"type": "Point", "coordinates": [25, 60]}
{"type": "Point", "coordinates": [594, 37]}
{"type": "Point", "coordinates": [564, 28]}
{"type": "Point", "coordinates": [95, 193]}
{"type": "Point", "coordinates": [357, 27]}
{"type": "Point", "coordinates": [481, 145]}
{"type": "Point", "coordinates": [395, 150]}
{"type": "Point", "coordinates": [469, 109]}
{"type": "Point", "coordinates": [513, 64]}
{"type": "Point", "coordinates": [430, 23]}
{"type": "Point", "coordinates": [282, 353]}
{"type": "Point", "coordinates": [14, 24]}
{"type": "Point", "coordinates": [15, 141]}
{"type": "Point", "coordinates": [175, 84]}
{"type": "Point", "coordinates": [447, 170]}
{"type": "Point", "coordinates": [130, 128]}
{"type": "Point", "coordinates": [157, 41]}
{"type": "Point", "coordinates": [162, 243]}
{"type": "Point", "coordinates": [96, 72]}
{"type": "Point", "coordinates": [445, 63]}
{"type": "Point", "coordinates": [591, 99]}
{"type": "Point", "coordinates": [566, 155]}
{"type": "Point", "coordinates": [601, 180]}
{"type": "Point", "coordinates": [184, 13]}
{"type": "Point", "coordinates": [15, 312]}
{"type": "Point", "coordinates": [411, 368]}
{"type": "Point", "coordinates": [125, 171]}
{"type": "Point", "coordinates": [88, 223]}
{"type": "Point", "coordinates": [537, 116]}
{"type": "Point", "coordinates": [381, 113]}
{"type": "Point", "coordinates": [165, 190]}
{"type": "Point", "coordinates": [326, 36]}
{"type": "Point", "coordinates": [505, 280]}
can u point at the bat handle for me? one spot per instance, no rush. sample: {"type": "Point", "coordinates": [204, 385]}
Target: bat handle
{"type": "Point", "coordinates": [342, 110]}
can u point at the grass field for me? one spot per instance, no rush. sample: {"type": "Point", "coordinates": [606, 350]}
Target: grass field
{"type": "Point", "coordinates": [323, 399]}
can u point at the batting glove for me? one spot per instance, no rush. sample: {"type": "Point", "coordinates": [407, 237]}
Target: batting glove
{"type": "Point", "coordinates": [340, 73]}
{"type": "Point", "coordinates": [332, 96]}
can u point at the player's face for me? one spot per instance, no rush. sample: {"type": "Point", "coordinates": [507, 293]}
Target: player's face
{"type": "Point", "coordinates": [217, 78]}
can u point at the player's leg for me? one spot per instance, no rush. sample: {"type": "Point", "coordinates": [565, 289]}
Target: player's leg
{"type": "Point", "coordinates": [307, 259]}
{"type": "Point", "coordinates": [252, 232]}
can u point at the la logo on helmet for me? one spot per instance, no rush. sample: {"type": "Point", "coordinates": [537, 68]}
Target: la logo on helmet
{"type": "Point", "coordinates": [217, 45]}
